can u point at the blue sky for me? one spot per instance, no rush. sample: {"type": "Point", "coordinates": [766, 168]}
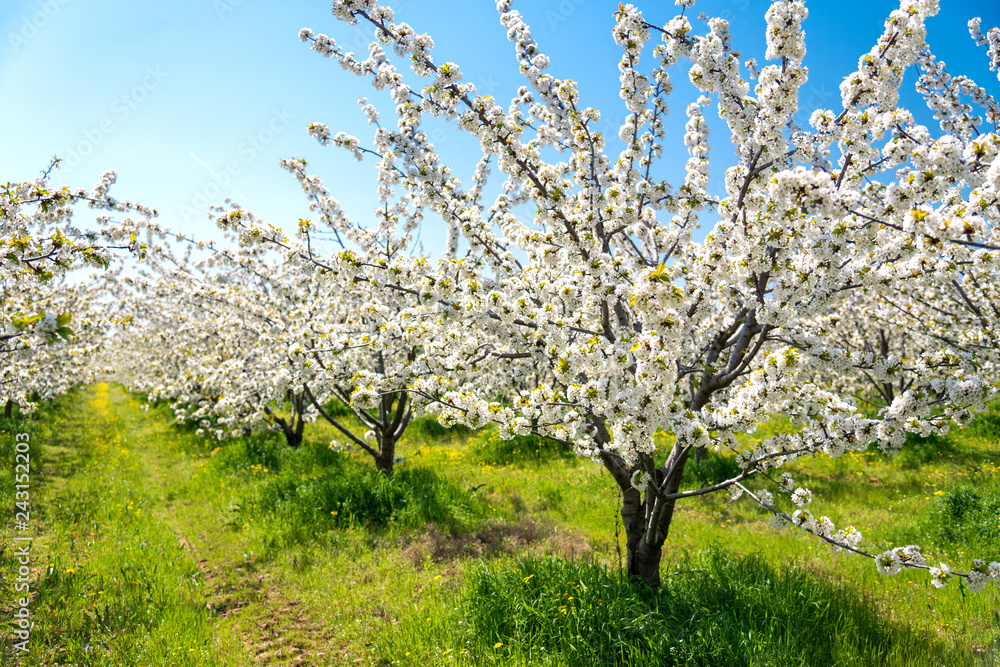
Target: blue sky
{"type": "Point", "coordinates": [195, 100]}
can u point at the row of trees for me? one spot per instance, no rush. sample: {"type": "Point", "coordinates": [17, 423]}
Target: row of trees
{"type": "Point", "coordinates": [847, 279]}
{"type": "Point", "coordinates": [55, 322]}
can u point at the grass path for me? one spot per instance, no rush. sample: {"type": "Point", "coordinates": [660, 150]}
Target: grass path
{"type": "Point", "coordinates": [134, 566]}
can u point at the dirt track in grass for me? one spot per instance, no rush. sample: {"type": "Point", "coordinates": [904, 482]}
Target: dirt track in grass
{"type": "Point", "coordinates": [242, 598]}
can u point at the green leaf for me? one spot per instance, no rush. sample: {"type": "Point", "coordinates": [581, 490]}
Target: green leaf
{"type": "Point", "coordinates": [659, 274]}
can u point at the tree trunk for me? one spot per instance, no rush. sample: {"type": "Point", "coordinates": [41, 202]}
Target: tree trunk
{"type": "Point", "coordinates": [296, 424]}
{"type": "Point", "coordinates": [386, 457]}
{"type": "Point", "coordinates": [394, 414]}
{"type": "Point", "coordinates": [647, 520]}
{"type": "Point", "coordinates": [292, 436]}
{"type": "Point", "coordinates": [8, 410]}
{"type": "Point", "coordinates": [642, 558]}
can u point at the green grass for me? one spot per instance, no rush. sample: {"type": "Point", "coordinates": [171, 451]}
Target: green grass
{"type": "Point", "coordinates": [430, 427]}
{"type": "Point", "coordinates": [985, 426]}
{"type": "Point", "coordinates": [968, 515]}
{"type": "Point", "coordinates": [111, 585]}
{"type": "Point", "coordinates": [261, 451]}
{"type": "Point", "coordinates": [918, 450]}
{"type": "Point", "coordinates": [716, 610]}
{"type": "Point", "coordinates": [521, 450]}
{"type": "Point", "coordinates": [713, 468]}
{"type": "Point", "coordinates": [153, 543]}
{"type": "Point", "coordinates": [299, 508]}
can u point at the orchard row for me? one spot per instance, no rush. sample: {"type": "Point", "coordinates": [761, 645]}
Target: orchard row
{"type": "Point", "coordinates": [848, 279]}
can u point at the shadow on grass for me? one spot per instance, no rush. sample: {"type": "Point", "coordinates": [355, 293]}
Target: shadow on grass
{"type": "Point", "coordinates": [430, 427]}
{"type": "Point", "coordinates": [963, 515]}
{"type": "Point", "coordinates": [986, 426]}
{"type": "Point", "coordinates": [520, 451]}
{"type": "Point", "coordinates": [299, 509]}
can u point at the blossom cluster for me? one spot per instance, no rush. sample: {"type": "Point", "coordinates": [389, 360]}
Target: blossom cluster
{"type": "Point", "coordinates": [50, 325]}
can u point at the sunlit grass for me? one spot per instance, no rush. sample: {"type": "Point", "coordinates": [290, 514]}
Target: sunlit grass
{"type": "Point", "coordinates": [716, 610]}
{"type": "Point", "coordinates": [134, 504]}
{"type": "Point", "coordinates": [111, 583]}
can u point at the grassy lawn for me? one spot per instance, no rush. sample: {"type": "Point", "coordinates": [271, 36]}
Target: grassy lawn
{"type": "Point", "coordinates": [155, 547]}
